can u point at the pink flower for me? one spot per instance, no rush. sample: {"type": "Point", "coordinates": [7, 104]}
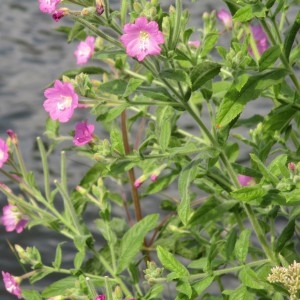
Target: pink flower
{"type": "Point", "coordinates": [83, 133]}
{"type": "Point", "coordinates": [142, 38]}
{"type": "Point", "coordinates": [85, 50]}
{"type": "Point", "coordinates": [260, 38]}
{"type": "Point", "coordinates": [194, 44]}
{"type": "Point", "coordinates": [100, 297]}
{"type": "Point", "coordinates": [245, 180]}
{"type": "Point", "coordinates": [13, 219]}
{"type": "Point", "coordinates": [48, 6]}
{"type": "Point", "coordinates": [61, 101]}
{"type": "Point", "coordinates": [225, 16]}
{"type": "Point", "coordinates": [11, 284]}
{"type": "Point", "coordinates": [58, 14]}
{"type": "Point", "coordinates": [3, 152]}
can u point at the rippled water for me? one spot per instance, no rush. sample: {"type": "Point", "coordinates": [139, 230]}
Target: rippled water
{"type": "Point", "coordinates": [32, 55]}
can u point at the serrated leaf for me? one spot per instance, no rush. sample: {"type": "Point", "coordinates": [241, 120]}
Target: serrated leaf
{"type": "Point", "coordinates": [58, 257]}
{"type": "Point", "coordinates": [177, 75]}
{"type": "Point", "coordinates": [117, 141]}
{"type": "Point", "coordinates": [203, 72]}
{"type": "Point", "coordinates": [285, 235]}
{"type": "Point", "coordinates": [249, 278]}
{"type": "Point", "coordinates": [242, 245]}
{"type": "Point", "coordinates": [59, 287]}
{"type": "Point", "coordinates": [112, 113]}
{"type": "Point", "coordinates": [184, 287]}
{"type": "Point", "coordinates": [133, 239]}
{"type": "Point", "coordinates": [163, 128]}
{"type": "Point", "coordinates": [132, 85]}
{"type": "Point", "coordinates": [115, 87]}
{"type": "Point", "coordinates": [171, 263]}
{"type": "Point", "coordinates": [235, 101]}
{"type": "Point", "coordinates": [269, 57]}
{"type": "Point", "coordinates": [187, 175]}
{"type": "Point", "coordinates": [244, 14]}
{"type": "Point", "coordinates": [249, 193]}
{"type": "Point", "coordinates": [202, 285]}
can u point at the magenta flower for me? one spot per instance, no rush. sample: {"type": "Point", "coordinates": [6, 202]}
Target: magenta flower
{"type": "Point", "coordinates": [100, 297]}
{"type": "Point", "coordinates": [260, 38]}
{"type": "Point", "coordinates": [83, 133]}
{"type": "Point", "coordinates": [245, 180]}
{"type": "Point", "coordinates": [142, 38]}
{"type": "Point", "coordinates": [13, 219]}
{"type": "Point", "coordinates": [225, 16]}
{"type": "Point", "coordinates": [48, 6]}
{"type": "Point", "coordinates": [58, 14]}
{"type": "Point", "coordinates": [61, 101]}
{"type": "Point", "coordinates": [85, 50]}
{"type": "Point", "coordinates": [12, 284]}
{"type": "Point", "coordinates": [3, 152]}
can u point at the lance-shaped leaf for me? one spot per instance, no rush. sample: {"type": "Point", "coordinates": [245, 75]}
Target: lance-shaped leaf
{"type": "Point", "coordinates": [235, 101]}
{"type": "Point", "coordinates": [133, 239]}
{"type": "Point", "coordinates": [285, 236]}
{"type": "Point", "coordinates": [177, 75]}
{"type": "Point", "coordinates": [203, 72]}
{"type": "Point", "coordinates": [242, 245]}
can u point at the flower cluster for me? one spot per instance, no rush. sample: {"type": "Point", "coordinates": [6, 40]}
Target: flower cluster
{"type": "Point", "coordinates": [289, 277]}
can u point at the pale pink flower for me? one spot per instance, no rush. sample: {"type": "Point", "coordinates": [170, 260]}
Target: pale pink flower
{"type": "Point", "coordinates": [194, 44]}
{"type": "Point", "coordinates": [85, 50]}
{"type": "Point", "coordinates": [48, 6]}
{"type": "Point", "coordinates": [226, 18]}
{"type": "Point", "coordinates": [142, 38]}
{"type": "Point", "coordinates": [260, 38]}
{"type": "Point", "coordinates": [3, 152]}
{"type": "Point", "coordinates": [61, 101]}
{"type": "Point", "coordinates": [83, 133]}
{"type": "Point", "coordinates": [153, 177]}
{"type": "Point", "coordinates": [13, 219]}
{"type": "Point", "coordinates": [12, 284]}
{"type": "Point", "coordinates": [245, 180]}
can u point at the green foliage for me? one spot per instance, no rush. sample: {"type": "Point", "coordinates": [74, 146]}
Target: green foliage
{"type": "Point", "coordinates": [163, 209]}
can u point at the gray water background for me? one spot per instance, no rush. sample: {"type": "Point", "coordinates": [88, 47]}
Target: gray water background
{"type": "Point", "coordinates": [33, 54]}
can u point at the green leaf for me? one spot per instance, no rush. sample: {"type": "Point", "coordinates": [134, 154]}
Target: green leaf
{"type": "Point", "coordinates": [117, 141]}
{"type": "Point", "coordinates": [249, 278]}
{"type": "Point", "coordinates": [154, 291]}
{"type": "Point", "coordinates": [177, 75]}
{"type": "Point", "coordinates": [116, 87]}
{"type": "Point", "coordinates": [31, 295]}
{"type": "Point", "coordinates": [171, 263]}
{"type": "Point", "coordinates": [290, 38]}
{"type": "Point", "coordinates": [184, 287]}
{"type": "Point", "coordinates": [239, 293]}
{"type": "Point", "coordinates": [78, 259]}
{"type": "Point", "coordinates": [204, 72]}
{"type": "Point", "coordinates": [249, 193]}
{"type": "Point", "coordinates": [132, 240]}
{"type": "Point", "coordinates": [235, 101]}
{"type": "Point", "coordinates": [202, 285]}
{"type": "Point", "coordinates": [285, 235]}
{"type": "Point", "coordinates": [58, 257]}
{"type": "Point", "coordinates": [187, 175]}
{"type": "Point", "coordinates": [242, 245]}
{"type": "Point", "coordinates": [163, 129]}
{"type": "Point", "coordinates": [266, 173]}
{"type": "Point", "coordinates": [244, 14]}
{"type": "Point", "coordinates": [112, 113]}
{"type": "Point", "coordinates": [230, 243]}
{"type": "Point", "coordinates": [132, 85]}
{"type": "Point", "coordinates": [59, 287]}
{"type": "Point", "coordinates": [269, 57]}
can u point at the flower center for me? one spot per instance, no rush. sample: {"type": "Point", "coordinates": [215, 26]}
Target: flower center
{"type": "Point", "coordinates": [144, 40]}
{"type": "Point", "coordinates": [65, 103]}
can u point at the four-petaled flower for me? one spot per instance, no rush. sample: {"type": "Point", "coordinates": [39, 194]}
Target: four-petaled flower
{"type": "Point", "coordinates": [3, 152]}
{"type": "Point", "coordinates": [12, 284]}
{"type": "Point", "coordinates": [83, 133]}
{"type": "Point", "coordinates": [85, 50]}
{"type": "Point", "coordinates": [48, 6]}
{"type": "Point", "coordinates": [13, 219]}
{"type": "Point", "coordinates": [260, 38]}
{"type": "Point", "coordinates": [225, 16]}
{"type": "Point", "coordinates": [142, 38]}
{"type": "Point", "coordinates": [61, 101]}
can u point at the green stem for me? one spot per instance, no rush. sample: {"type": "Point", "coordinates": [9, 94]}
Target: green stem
{"type": "Point", "coordinates": [45, 168]}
